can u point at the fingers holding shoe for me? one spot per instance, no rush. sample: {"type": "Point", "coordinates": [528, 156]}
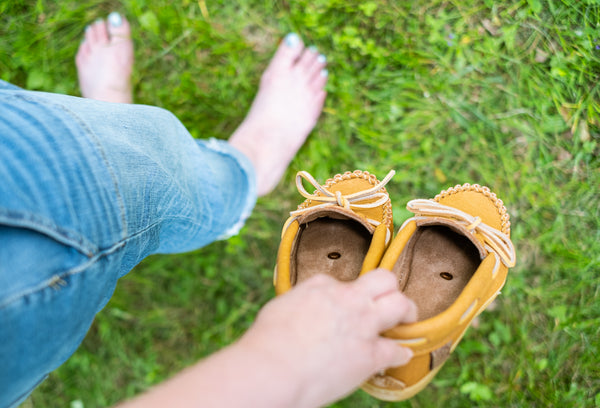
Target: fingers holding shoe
{"type": "Point", "coordinates": [390, 307]}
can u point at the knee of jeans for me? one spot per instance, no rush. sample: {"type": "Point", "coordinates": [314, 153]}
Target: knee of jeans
{"type": "Point", "coordinates": [161, 117]}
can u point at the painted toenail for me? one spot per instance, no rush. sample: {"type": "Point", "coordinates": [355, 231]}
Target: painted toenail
{"type": "Point", "coordinates": [115, 19]}
{"type": "Point", "coordinates": [292, 39]}
{"type": "Point", "coordinates": [313, 49]}
{"type": "Point", "coordinates": [87, 28]}
{"type": "Point", "coordinates": [321, 59]}
{"type": "Point", "coordinates": [324, 73]}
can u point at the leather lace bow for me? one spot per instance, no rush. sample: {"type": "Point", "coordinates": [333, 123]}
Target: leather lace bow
{"type": "Point", "coordinates": [355, 201]}
{"type": "Point", "coordinates": [495, 240]}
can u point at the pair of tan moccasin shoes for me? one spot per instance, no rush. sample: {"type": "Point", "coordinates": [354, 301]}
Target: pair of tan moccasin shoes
{"type": "Point", "coordinates": [451, 259]}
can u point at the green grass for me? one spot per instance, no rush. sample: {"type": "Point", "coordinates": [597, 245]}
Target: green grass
{"type": "Point", "coordinates": [504, 94]}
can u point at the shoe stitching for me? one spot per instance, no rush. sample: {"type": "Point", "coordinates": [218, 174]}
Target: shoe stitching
{"type": "Point", "coordinates": [499, 204]}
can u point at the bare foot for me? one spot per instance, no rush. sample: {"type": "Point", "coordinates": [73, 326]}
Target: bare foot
{"type": "Point", "coordinates": [289, 101]}
{"type": "Point", "coordinates": [105, 61]}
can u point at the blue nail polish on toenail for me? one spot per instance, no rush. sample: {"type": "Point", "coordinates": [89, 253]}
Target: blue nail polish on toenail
{"type": "Point", "coordinates": [292, 39]}
{"type": "Point", "coordinates": [313, 49]}
{"type": "Point", "coordinates": [115, 19]}
{"type": "Point", "coordinates": [321, 59]}
{"type": "Point", "coordinates": [324, 72]}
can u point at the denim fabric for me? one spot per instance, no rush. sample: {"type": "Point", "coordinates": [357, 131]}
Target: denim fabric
{"type": "Point", "coordinates": [87, 190]}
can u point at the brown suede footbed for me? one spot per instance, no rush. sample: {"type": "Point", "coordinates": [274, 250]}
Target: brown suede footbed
{"type": "Point", "coordinates": [331, 246]}
{"type": "Point", "coordinates": [433, 269]}
{"type": "Point", "coordinates": [435, 266]}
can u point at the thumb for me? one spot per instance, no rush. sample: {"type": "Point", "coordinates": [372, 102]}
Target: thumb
{"type": "Point", "coordinates": [390, 354]}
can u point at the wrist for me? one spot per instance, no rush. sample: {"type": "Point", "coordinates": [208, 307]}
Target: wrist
{"type": "Point", "coordinates": [274, 373]}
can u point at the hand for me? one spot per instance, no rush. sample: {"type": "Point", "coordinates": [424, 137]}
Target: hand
{"type": "Point", "coordinates": [309, 347]}
{"type": "Point", "coordinates": [324, 334]}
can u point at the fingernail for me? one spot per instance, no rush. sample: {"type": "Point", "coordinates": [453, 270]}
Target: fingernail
{"type": "Point", "coordinates": [405, 356]}
{"type": "Point", "coordinates": [291, 40]}
{"type": "Point", "coordinates": [321, 59]}
{"type": "Point", "coordinates": [115, 19]}
{"type": "Point", "coordinates": [324, 73]}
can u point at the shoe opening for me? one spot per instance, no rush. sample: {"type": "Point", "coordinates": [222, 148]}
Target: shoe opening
{"type": "Point", "coordinates": [333, 246]}
{"type": "Point", "coordinates": [434, 268]}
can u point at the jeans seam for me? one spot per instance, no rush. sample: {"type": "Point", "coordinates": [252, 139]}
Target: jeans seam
{"type": "Point", "coordinates": [26, 393]}
{"type": "Point", "coordinates": [18, 219]}
{"type": "Point", "coordinates": [56, 280]}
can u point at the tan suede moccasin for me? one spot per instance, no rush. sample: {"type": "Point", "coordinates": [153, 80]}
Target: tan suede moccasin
{"type": "Point", "coordinates": [452, 259]}
{"type": "Point", "coordinates": [343, 223]}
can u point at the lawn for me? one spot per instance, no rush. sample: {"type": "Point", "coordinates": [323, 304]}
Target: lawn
{"type": "Point", "coordinates": [505, 94]}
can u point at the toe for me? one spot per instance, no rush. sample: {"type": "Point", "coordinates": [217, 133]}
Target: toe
{"type": "Point", "coordinates": [308, 59]}
{"type": "Point", "coordinates": [100, 32]}
{"type": "Point", "coordinates": [288, 52]}
{"type": "Point", "coordinates": [319, 79]}
{"type": "Point", "coordinates": [118, 26]}
{"type": "Point", "coordinates": [90, 34]}
{"type": "Point", "coordinates": [96, 34]}
{"type": "Point", "coordinates": [82, 52]}
{"type": "Point", "coordinates": [317, 66]}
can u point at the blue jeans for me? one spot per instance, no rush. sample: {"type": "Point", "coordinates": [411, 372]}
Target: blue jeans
{"type": "Point", "coordinates": [87, 190]}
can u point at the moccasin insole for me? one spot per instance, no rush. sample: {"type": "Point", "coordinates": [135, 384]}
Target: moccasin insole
{"type": "Point", "coordinates": [331, 246]}
{"type": "Point", "coordinates": [435, 267]}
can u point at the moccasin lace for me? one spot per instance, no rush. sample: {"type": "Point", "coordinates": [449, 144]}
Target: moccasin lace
{"type": "Point", "coordinates": [355, 201]}
{"type": "Point", "coordinates": [495, 240]}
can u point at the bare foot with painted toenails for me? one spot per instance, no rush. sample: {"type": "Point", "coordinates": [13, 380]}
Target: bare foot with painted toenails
{"type": "Point", "coordinates": [105, 60]}
{"type": "Point", "coordinates": [286, 108]}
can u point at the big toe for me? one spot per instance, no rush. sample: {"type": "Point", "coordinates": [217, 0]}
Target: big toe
{"type": "Point", "coordinates": [288, 52]}
{"type": "Point", "coordinates": [118, 26]}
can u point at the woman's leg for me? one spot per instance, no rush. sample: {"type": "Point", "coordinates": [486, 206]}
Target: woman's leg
{"type": "Point", "coordinates": [82, 201]}
{"type": "Point", "coordinates": [90, 188]}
